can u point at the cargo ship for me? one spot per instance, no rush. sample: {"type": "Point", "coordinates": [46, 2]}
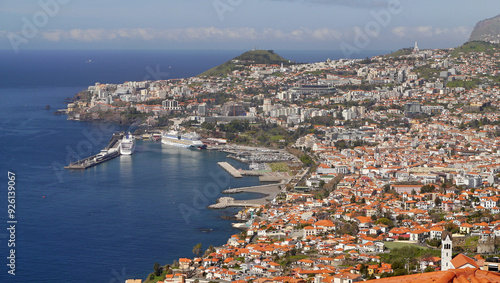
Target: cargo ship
{"type": "Point", "coordinates": [188, 140]}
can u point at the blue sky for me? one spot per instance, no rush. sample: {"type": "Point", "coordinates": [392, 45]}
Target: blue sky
{"type": "Point", "coordinates": [239, 24]}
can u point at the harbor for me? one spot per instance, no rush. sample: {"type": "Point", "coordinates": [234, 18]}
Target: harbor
{"type": "Point", "coordinates": [110, 152]}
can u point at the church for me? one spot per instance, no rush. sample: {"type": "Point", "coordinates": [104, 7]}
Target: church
{"type": "Point", "coordinates": [447, 260]}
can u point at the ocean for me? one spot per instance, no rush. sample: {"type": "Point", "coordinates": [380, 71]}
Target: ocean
{"type": "Point", "coordinates": [114, 221]}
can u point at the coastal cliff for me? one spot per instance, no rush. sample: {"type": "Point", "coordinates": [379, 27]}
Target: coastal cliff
{"type": "Point", "coordinates": [487, 30]}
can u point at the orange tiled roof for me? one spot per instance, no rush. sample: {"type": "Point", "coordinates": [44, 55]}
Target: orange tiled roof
{"type": "Point", "coordinates": [461, 260]}
{"type": "Point", "coordinates": [450, 276]}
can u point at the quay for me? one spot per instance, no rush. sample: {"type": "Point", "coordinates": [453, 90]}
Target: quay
{"type": "Point", "coordinates": [269, 192]}
{"type": "Point", "coordinates": [230, 169]}
{"type": "Point", "coordinates": [253, 189]}
{"type": "Point", "coordinates": [111, 151]}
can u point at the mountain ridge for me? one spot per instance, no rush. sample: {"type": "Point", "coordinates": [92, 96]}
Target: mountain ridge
{"type": "Point", "coordinates": [487, 30]}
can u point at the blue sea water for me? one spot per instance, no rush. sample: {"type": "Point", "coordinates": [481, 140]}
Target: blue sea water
{"type": "Point", "coordinates": [113, 221]}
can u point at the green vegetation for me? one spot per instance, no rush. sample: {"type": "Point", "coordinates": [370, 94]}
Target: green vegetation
{"type": "Point", "coordinates": [261, 57]}
{"type": "Point", "coordinates": [401, 52]}
{"type": "Point", "coordinates": [197, 249]}
{"type": "Point", "coordinates": [434, 242]}
{"type": "Point", "coordinates": [471, 241]}
{"type": "Point", "coordinates": [428, 189]}
{"type": "Point", "coordinates": [465, 84]}
{"type": "Point", "coordinates": [265, 134]}
{"type": "Point", "coordinates": [322, 121]}
{"type": "Point", "coordinates": [344, 144]}
{"type": "Point", "coordinates": [401, 245]}
{"type": "Point", "coordinates": [385, 221]}
{"type": "Point", "coordinates": [247, 58]}
{"type": "Point", "coordinates": [426, 72]}
{"type": "Point", "coordinates": [307, 160]}
{"type": "Point", "coordinates": [400, 258]}
{"type": "Point", "coordinates": [158, 274]}
{"type": "Point", "coordinates": [326, 189]}
{"type": "Point", "coordinates": [476, 46]}
{"type": "Point", "coordinates": [288, 260]}
{"type": "Point", "coordinates": [279, 167]}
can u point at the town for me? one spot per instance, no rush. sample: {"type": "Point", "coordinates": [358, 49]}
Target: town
{"type": "Point", "coordinates": [402, 150]}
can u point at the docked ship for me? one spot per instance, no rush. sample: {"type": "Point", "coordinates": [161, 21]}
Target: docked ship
{"type": "Point", "coordinates": [188, 140]}
{"type": "Point", "coordinates": [127, 145]}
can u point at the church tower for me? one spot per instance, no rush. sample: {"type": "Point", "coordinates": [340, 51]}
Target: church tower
{"type": "Point", "coordinates": [446, 251]}
{"type": "Point", "coordinates": [416, 49]}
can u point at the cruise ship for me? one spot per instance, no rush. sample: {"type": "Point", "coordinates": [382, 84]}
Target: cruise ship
{"type": "Point", "coordinates": [127, 145]}
{"type": "Point", "coordinates": [189, 140]}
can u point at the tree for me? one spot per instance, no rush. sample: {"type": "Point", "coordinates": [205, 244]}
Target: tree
{"type": "Point", "coordinates": [157, 268]}
{"type": "Point", "coordinates": [428, 189]}
{"type": "Point", "coordinates": [307, 160]}
{"type": "Point", "coordinates": [321, 183]}
{"type": "Point", "coordinates": [353, 199]}
{"type": "Point", "coordinates": [363, 269]}
{"type": "Point", "coordinates": [385, 221]}
{"type": "Point", "coordinates": [197, 249]}
{"type": "Point", "coordinates": [210, 250]}
{"type": "Point", "coordinates": [437, 202]}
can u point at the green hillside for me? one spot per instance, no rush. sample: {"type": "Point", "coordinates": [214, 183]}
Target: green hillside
{"type": "Point", "coordinates": [245, 59]}
{"type": "Point", "coordinates": [401, 52]}
{"type": "Point", "coordinates": [476, 46]}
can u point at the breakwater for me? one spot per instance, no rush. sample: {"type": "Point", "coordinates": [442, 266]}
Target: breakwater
{"type": "Point", "coordinates": [111, 151]}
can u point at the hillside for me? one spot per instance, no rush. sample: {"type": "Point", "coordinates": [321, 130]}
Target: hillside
{"type": "Point", "coordinates": [401, 52]}
{"type": "Point", "coordinates": [476, 46]}
{"type": "Point", "coordinates": [487, 30]}
{"type": "Point", "coordinates": [247, 58]}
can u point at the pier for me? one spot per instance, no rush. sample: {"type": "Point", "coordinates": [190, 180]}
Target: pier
{"type": "Point", "coordinates": [110, 152]}
{"type": "Point", "coordinates": [262, 189]}
{"type": "Point", "coordinates": [230, 169]}
{"type": "Point", "coordinates": [269, 192]}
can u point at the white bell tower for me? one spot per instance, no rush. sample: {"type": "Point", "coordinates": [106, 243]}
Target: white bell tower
{"type": "Point", "coordinates": [446, 251]}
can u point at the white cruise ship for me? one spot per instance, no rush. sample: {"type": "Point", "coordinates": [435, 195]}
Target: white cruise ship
{"type": "Point", "coordinates": [189, 140]}
{"type": "Point", "coordinates": [127, 145]}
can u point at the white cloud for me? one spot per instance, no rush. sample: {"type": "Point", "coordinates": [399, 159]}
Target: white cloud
{"type": "Point", "coordinates": [191, 34]}
{"type": "Point", "coordinates": [400, 31]}
{"type": "Point", "coordinates": [430, 31]}
{"type": "Point", "coordinates": [326, 34]}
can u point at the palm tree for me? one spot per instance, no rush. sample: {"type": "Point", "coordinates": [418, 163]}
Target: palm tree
{"type": "Point", "coordinates": [197, 249]}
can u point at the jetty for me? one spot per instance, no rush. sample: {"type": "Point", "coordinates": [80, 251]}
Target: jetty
{"type": "Point", "coordinates": [268, 193]}
{"type": "Point", "coordinates": [230, 169]}
{"type": "Point", "coordinates": [110, 152]}
{"type": "Point", "coordinates": [262, 189]}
